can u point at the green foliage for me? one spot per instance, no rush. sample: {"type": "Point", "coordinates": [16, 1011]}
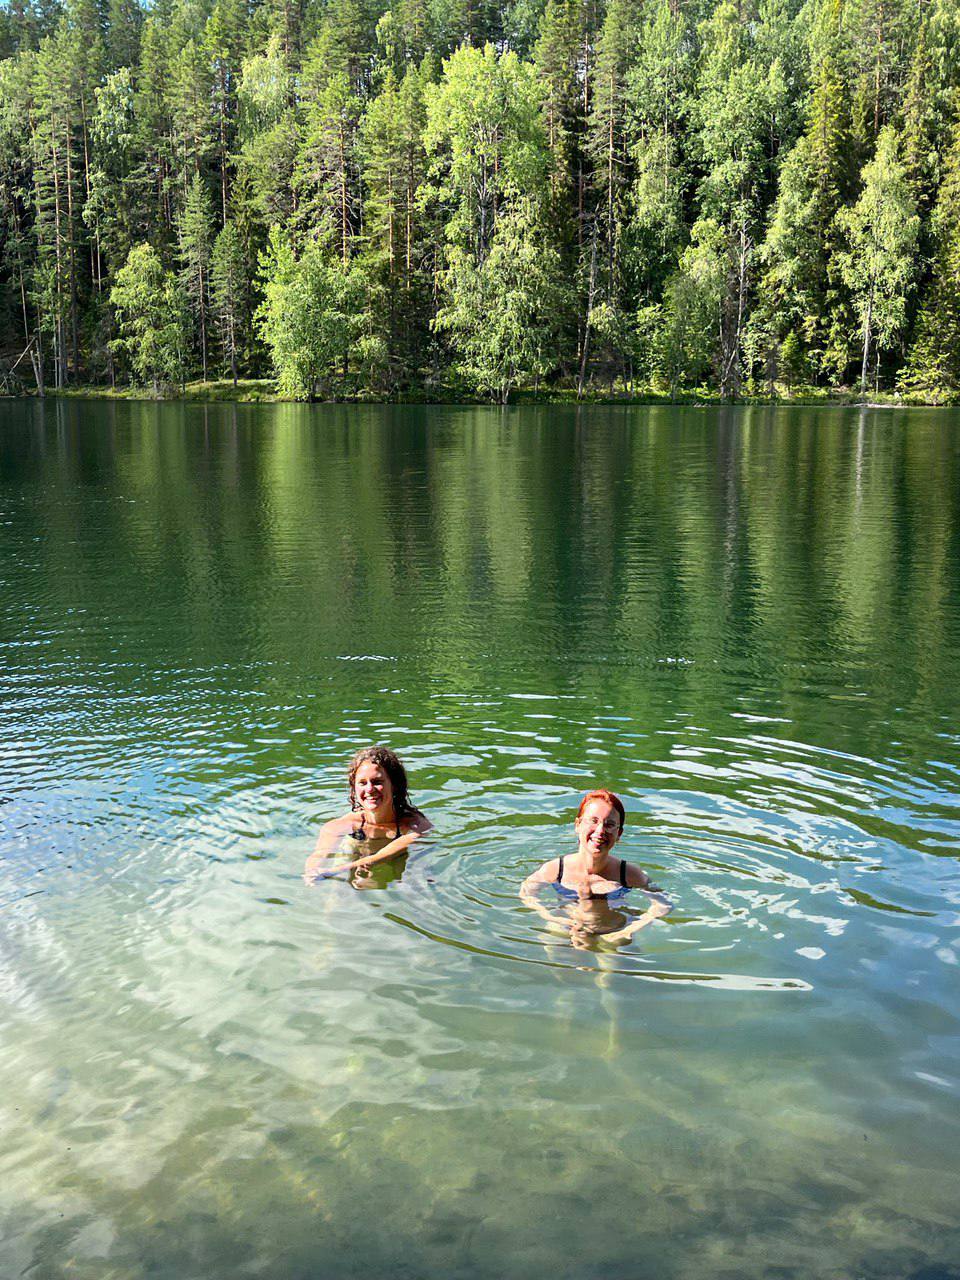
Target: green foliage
{"type": "Point", "coordinates": [934, 359]}
{"type": "Point", "coordinates": [487, 141]}
{"type": "Point", "coordinates": [881, 230]}
{"type": "Point", "coordinates": [502, 314]}
{"type": "Point", "coordinates": [325, 175]}
{"type": "Point", "coordinates": [690, 337]}
{"type": "Point", "coordinates": [396, 311]}
{"type": "Point", "coordinates": [228, 293]}
{"type": "Point", "coordinates": [196, 244]}
{"type": "Point", "coordinates": [152, 319]}
{"type": "Point", "coordinates": [697, 192]}
{"type": "Point", "coordinates": [307, 315]}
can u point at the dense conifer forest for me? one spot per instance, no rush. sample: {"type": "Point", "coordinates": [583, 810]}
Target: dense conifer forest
{"type": "Point", "coordinates": [416, 198]}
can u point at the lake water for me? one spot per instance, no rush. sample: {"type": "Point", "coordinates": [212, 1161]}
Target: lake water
{"type": "Point", "coordinates": [746, 622]}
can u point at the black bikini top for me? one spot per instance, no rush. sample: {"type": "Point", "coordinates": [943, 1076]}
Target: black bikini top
{"type": "Point", "coordinates": [565, 891]}
{"type": "Point", "coordinates": [358, 833]}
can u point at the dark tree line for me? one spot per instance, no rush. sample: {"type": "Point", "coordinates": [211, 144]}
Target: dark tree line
{"type": "Point", "coordinates": [427, 196]}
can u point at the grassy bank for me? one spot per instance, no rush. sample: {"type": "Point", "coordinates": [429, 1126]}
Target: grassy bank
{"type": "Point", "coordinates": [263, 391]}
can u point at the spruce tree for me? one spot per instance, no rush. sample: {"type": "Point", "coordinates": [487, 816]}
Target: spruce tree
{"type": "Point", "coordinates": [196, 230]}
{"type": "Point", "coordinates": [802, 289]}
{"type": "Point", "coordinates": [933, 363]}
{"type": "Point", "coordinates": [228, 272]}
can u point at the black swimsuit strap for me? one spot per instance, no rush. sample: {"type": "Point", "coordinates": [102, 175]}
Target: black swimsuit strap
{"type": "Point", "coordinates": [560, 871]}
{"type": "Point", "coordinates": [623, 873]}
{"type": "Point", "coordinates": [358, 833]}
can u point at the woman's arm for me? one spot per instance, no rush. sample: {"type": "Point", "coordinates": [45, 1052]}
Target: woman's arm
{"type": "Point", "coordinates": [395, 847]}
{"type": "Point", "coordinates": [330, 835]}
{"type": "Point", "coordinates": [659, 907]}
{"type": "Point", "coordinates": [545, 874]}
{"type": "Point", "coordinates": [530, 899]}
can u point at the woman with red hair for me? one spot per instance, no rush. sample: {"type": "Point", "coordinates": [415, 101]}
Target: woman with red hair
{"type": "Point", "coordinates": [591, 880]}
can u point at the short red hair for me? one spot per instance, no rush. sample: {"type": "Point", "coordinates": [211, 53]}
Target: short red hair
{"type": "Point", "coordinates": [609, 798]}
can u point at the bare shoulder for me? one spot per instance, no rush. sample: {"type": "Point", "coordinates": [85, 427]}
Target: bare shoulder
{"type": "Point", "coordinates": [545, 873]}
{"type": "Point", "coordinates": [339, 826]}
{"type": "Point", "coordinates": [418, 822]}
{"type": "Point", "coordinates": [637, 878]}
{"type": "Point", "coordinates": [330, 835]}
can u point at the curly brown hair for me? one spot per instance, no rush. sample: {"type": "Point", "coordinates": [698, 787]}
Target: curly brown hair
{"type": "Point", "coordinates": [392, 766]}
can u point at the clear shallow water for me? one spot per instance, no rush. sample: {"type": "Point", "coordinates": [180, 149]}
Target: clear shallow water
{"type": "Point", "coordinates": [746, 622]}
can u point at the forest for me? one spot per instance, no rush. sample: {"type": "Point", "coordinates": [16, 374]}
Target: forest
{"type": "Point", "coordinates": [425, 199]}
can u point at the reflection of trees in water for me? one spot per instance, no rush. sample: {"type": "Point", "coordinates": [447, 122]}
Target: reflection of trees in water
{"type": "Point", "coordinates": [602, 549]}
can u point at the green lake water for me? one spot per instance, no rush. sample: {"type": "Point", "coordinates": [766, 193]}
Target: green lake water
{"type": "Point", "coordinates": [746, 622]}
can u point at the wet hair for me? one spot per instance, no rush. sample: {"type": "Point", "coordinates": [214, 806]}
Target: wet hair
{"type": "Point", "coordinates": [392, 766]}
{"type": "Point", "coordinates": [609, 798]}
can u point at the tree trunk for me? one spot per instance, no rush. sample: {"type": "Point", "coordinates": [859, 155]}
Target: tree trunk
{"type": "Point", "coordinates": [36, 359]}
{"type": "Point", "coordinates": [610, 154]}
{"type": "Point", "coordinates": [59, 355]}
{"type": "Point", "coordinates": [866, 344]}
{"type": "Point", "coordinates": [203, 322]}
{"type": "Point", "coordinates": [344, 225]}
{"type": "Point", "coordinates": [223, 143]}
{"type": "Point", "coordinates": [586, 326]}
{"type": "Point", "coordinates": [74, 327]}
{"type": "Point", "coordinates": [730, 332]}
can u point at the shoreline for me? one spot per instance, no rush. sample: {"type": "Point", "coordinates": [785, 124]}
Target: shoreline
{"type": "Point", "coordinates": [262, 391]}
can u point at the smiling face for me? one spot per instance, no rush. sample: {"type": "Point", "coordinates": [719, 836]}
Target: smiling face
{"type": "Point", "coordinates": [372, 789]}
{"type": "Point", "coordinates": [598, 830]}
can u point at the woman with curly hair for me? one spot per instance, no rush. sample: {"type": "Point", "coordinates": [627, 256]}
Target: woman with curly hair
{"type": "Point", "coordinates": [382, 822]}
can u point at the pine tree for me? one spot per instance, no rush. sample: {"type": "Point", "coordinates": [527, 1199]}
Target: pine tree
{"type": "Point", "coordinates": [394, 165]}
{"type": "Point", "coordinates": [404, 34]}
{"type": "Point", "coordinates": [737, 96]}
{"type": "Point", "coordinates": [58, 198]}
{"type": "Point", "coordinates": [876, 33]}
{"type": "Point", "coordinates": [609, 149]}
{"type": "Point", "coordinates": [223, 45]}
{"type": "Point", "coordinates": [487, 143]}
{"type": "Point", "coordinates": [112, 207]}
{"type": "Point", "coordinates": [326, 178]}
{"type": "Point", "coordinates": [268, 136]}
{"type": "Point", "coordinates": [18, 249]}
{"type": "Point", "coordinates": [154, 144]}
{"type": "Point", "coordinates": [556, 58]}
{"type": "Point", "coordinates": [190, 97]}
{"type": "Point", "coordinates": [124, 24]}
{"type": "Point", "coordinates": [660, 85]}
